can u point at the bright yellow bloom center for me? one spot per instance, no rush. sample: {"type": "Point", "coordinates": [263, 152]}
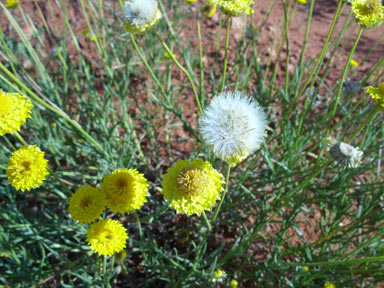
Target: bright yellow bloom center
{"type": "Point", "coordinates": [86, 202]}
{"type": "Point", "coordinates": [106, 235]}
{"type": "Point", "coordinates": [371, 7]}
{"type": "Point", "coordinates": [6, 104]}
{"type": "Point", "coordinates": [123, 183]}
{"type": "Point", "coordinates": [26, 166]}
{"type": "Point", "coordinates": [191, 180]}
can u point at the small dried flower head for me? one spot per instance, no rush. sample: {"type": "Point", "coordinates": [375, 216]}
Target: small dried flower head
{"type": "Point", "coordinates": [329, 285]}
{"type": "Point", "coordinates": [192, 187]}
{"type": "Point", "coordinates": [140, 15]}
{"type": "Point", "coordinates": [350, 88]}
{"type": "Point", "coordinates": [233, 126]}
{"type": "Point", "coordinates": [344, 154]}
{"type": "Point", "coordinates": [107, 237]}
{"type": "Point", "coordinates": [125, 190]}
{"type": "Point", "coordinates": [27, 168]}
{"type": "Point", "coordinates": [233, 283]}
{"type": "Point", "coordinates": [368, 13]}
{"type": "Point", "coordinates": [14, 111]}
{"type": "Point", "coordinates": [377, 94]}
{"type": "Point", "coordinates": [86, 204]}
{"type": "Point", "coordinates": [235, 7]}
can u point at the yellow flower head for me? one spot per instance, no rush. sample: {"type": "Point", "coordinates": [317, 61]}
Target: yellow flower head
{"type": "Point", "coordinates": [233, 283]}
{"type": "Point", "coordinates": [220, 274]}
{"type": "Point", "coordinates": [301, 1]}
{"type": "Point", "coordinates": [169, 56]}
{"type": "Point", "coordinates": [14, 111]}
{"type": "Point", "coordinates": [192, 186]}
{"type": "Point", "coordinates": [107, 237]}
{"type": "Point", "coordinates": [11, 3]}
{"type": "Point", "coordinates": [190, 1]}
{"type": "Point", "coordinates": [208, 8]}
{"type": "Point", "coordinates": [368, 13]}
{"type": "Point", "coordinates": [140, 15]}
{"type": "Point", "coordinates": [329, 285]}
{"type": "Point", "coordinates": [125, 190]}
{"type": "Point", "coordinates": [377, 94]}
{"type": "Point", "coordinates": [27, 168]}
{"type": "Point", "coordinates": [235, 7]}
{"type": "Point", "coordinates": [86, 204]}
{"type": "Point", "coordinates": [354, 63]}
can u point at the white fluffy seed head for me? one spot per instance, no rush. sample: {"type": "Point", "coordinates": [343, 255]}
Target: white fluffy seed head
{"type": "Point", "coordinates": [233, 126]}
{"type": "Point", "coordinates": [140, 12]}
{"type": "Point", "coordinates": [344, 154]}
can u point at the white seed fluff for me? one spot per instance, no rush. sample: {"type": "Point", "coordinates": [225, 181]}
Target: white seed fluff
{"type": "Point", "coordinates": [140, 12]}
{"type": "Point", "coordinates": [233, 126]}
{"type": "Point", "coordinates": [344, 154]}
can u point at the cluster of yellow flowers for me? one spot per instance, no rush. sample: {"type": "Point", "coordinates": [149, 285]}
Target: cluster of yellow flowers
{"type": "Point", "coordinates": [123, 191]}
{"type": "Point", "coordinates": [27, 167]}
{"type": "Point", "coordinates": [190, 186]}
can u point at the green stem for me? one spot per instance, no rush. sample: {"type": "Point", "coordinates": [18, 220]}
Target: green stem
{"type": "Point", "coordinates": [53, 109]}
{"type": "Point", "coordinates": [223, 76]}
{"type": "Point", "coordinates": [54, 175]}
{"type": "Point", "coordinates": [207, 221]}
{"type": "Point", "coordinates": [105, 276]}
{"type": "Point", "coordinates": [202, 96]}
{"type": "Point", "coordinates": [21, 139]}
{"type": "Point", "coordinates": [366, 122]}
{"type": "Point", "coordinates": [277, 208]}
{"type": "Point", "coordinates": [224, 193]}
{"type": "Point", "coordinates": [341, 81]}
{"type": "Point", "coordinates": [303, 48]}
{"type": "Point", "coordinates": [316, 69]}
{"type": "Point", "coordinates": [182, 69]}
{"type": "Point", "coordinates": [371, 72]}
{"type": "Point", "coordinates": [286, 25]}
{"type": "Point", "coordinates": [138, 51]}
{"type": "Point", "coordinates": [341, 262]}
{"type": "Point", "coordinates": [138, 224]}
